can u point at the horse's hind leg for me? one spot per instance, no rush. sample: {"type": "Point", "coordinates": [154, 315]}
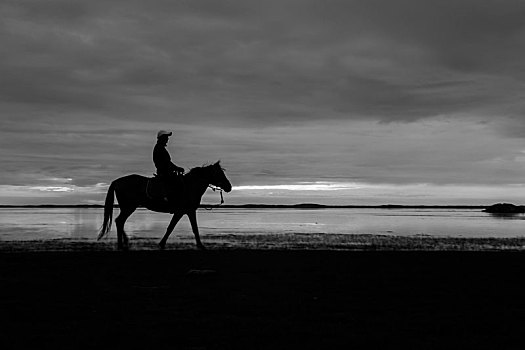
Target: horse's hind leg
{"type": "Point", "coordinates": [122, 238]}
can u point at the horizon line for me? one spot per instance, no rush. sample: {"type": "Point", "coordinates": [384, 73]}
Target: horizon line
{"type": "Point", "coordinates": [258, 205]}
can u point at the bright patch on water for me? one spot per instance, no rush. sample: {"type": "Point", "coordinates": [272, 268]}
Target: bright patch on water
{"type": "Point", "coordinates": [42, 224]}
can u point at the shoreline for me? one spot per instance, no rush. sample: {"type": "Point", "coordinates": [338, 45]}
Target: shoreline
{"type": "Point", "coordinates": [278, 242]}
{"type": "Point", "coordinates": [261, 206]}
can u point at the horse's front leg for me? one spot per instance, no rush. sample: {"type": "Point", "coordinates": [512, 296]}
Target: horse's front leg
{"type": "Point", "coordinates": [174, 220]}
{"type": "Point", "coordinates": [192, 215]}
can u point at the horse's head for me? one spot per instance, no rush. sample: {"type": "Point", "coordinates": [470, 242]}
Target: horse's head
{"type": "Point", "coordinates": [218, 177]}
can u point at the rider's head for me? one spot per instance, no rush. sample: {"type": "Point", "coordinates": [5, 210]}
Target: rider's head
{"type": "Point", "coordinates": [163, 136]}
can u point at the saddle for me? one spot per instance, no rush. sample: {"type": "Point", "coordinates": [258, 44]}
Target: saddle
{"type": "Point", "coordinates": [165, 189]}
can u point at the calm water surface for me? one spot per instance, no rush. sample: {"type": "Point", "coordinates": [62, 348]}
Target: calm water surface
{"type": "Point", "coordinates": [18, 224]}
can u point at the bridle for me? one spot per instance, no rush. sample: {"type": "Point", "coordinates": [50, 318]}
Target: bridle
{"type": "Point", "coordinates": [216, 188]}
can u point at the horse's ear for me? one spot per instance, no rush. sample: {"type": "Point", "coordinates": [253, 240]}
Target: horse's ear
{"type": "Point", "coordinates": [218, 163]}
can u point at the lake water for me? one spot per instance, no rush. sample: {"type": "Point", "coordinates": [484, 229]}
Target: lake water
{"type": "Point", "coordinates": [25, 224]}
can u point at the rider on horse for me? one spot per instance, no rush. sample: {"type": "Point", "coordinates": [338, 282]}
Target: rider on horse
{"type": "Point", "coordinates": [166, 170]}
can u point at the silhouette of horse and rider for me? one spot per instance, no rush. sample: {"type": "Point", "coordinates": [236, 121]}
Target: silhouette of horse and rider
{"type": "Point", "coordinates": [169, 191]}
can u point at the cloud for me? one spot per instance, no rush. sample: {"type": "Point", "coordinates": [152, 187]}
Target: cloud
{"type": "Point", "coordinates": [282, 91]}
{"type": "Point", "coordinates": [246, 62]}
{"type": "Point", "coordinates": [67, 194]}
{"type": "Point", "coordinates": [379, 194]}
{"type": "Point", "coordinates": [302, 186]}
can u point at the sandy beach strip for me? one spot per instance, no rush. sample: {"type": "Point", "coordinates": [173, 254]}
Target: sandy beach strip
{"type": "Point", "coordinates": [261, 299]}
{"type": "Point", "coordinates": [289, 241]}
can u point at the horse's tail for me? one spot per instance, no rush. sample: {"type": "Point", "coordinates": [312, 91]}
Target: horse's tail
{"type": "Point", "coordinates": [108, 211]}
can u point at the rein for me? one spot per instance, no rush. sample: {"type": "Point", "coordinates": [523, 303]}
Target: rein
{"type": "Point", "coordinates": [147, 188]}
{"type": "Point", "coordinates": [215, 188]}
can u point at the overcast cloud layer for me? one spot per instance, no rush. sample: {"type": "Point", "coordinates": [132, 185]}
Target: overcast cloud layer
{"type": "Point", "coordinates": [375, 92]}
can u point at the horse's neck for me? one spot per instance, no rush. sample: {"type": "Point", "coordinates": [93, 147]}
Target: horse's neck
{"type": "Point", "coordinates": [198, 181]}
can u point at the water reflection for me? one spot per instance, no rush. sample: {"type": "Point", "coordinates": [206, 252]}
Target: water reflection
{"type": "Point", "coordinates": [508, 216]}
{"type": "Point", "coordinates": [79, 223]}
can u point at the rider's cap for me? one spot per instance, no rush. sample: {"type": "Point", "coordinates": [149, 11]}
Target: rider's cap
{"type": "Point", "coordinates": [163, 132]}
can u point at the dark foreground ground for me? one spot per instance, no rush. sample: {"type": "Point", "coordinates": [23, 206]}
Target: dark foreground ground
{"type": "Point", "coordinates": [262, 299]}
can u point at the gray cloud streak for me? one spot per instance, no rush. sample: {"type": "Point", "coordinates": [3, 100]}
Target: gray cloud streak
{"type": "Point", "coordinates": [402, 60]}
{"type": "Point", "coordinates": [281, 88]}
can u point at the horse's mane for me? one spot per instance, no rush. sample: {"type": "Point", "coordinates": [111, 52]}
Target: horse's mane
{"type": "Point", "coordinates": [195, 171]}
{"type": "Point", "coordinates": [198, 170]}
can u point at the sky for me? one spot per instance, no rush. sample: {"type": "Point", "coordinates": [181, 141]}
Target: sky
{"type": "Point", "coordinates": [333, 102]}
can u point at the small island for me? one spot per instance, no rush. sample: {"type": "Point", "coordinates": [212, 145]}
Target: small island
{"type": "Point", "coordinates": [505, 208]}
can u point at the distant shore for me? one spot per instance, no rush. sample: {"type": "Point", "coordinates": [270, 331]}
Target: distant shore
{"type": "Point", "coordinates": [272, 206]}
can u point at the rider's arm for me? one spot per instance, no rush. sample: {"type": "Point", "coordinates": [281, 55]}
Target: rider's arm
{"type": "Point", "coordinates": [175, 168]}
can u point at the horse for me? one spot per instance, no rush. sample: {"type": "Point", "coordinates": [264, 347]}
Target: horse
{"type": "Point", "coordinates": [132, 191]}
